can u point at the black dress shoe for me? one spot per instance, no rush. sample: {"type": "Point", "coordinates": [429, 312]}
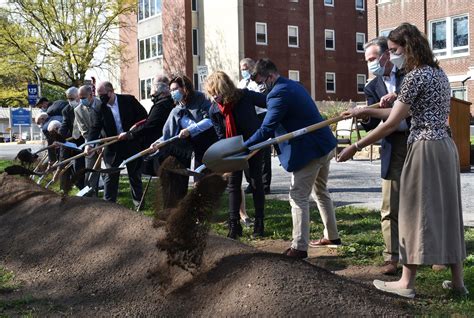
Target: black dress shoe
{"type": "Point", "coordinates": [293, 253]}
{"type": "Point", "coordinates": [235, 229]}
{"type": "Point", "coordinates": [258, 228]}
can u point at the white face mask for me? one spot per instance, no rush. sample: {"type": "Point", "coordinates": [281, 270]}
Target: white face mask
{"type": "Point", "coordinates": [73, 103]}
{"type": "Point", "coordinates": [398, 60]}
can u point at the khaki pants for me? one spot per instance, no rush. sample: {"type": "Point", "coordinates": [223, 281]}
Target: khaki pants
{"type": "Point", "coordinates": [311, 179]}
{"type": "Point", "coordinates": [391, 197]}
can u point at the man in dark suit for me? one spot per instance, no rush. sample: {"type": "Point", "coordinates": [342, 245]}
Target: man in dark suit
{"type": "Point", "coordinates": [115, 114]}
{"type": "Point", "coordinates": [307, 157]}
{"type": "Point", "coordinates": [384, 88]}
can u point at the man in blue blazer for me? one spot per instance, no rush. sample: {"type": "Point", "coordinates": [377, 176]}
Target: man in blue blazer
{"type": "Point", "coordinates": [384, 88]}
{"type": "Point", "coordinates": [307, 157]}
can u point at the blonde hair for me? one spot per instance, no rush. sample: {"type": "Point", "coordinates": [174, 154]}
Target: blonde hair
{"type": "Point", "coordinates": [219, 83]}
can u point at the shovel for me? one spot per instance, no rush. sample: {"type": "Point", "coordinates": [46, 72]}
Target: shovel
{"type": "Point", "coordinates": [228, 155]}
{"type": "Point", "coordinates": [83, 154]}
{"type": "Point", "coordinates": [87, 189]}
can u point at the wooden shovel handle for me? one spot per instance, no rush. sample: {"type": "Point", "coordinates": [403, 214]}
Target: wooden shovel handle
{"type": "Point", "coordinates": [84, 154]}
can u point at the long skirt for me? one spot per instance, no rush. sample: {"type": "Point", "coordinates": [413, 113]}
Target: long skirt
{"type": "Point", "coordinates": [430, 215]}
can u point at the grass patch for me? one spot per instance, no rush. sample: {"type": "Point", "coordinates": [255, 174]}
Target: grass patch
{"type": "Point", "coordinates": [4, 164]}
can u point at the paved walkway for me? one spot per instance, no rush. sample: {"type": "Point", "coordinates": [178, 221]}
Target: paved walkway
{"type": "Point", "coordinates": [358, 183]}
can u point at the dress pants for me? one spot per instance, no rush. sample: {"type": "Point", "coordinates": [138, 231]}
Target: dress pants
{"type": "Point", "coordinates": [391, 197]}
{"type": "Point", "coordinates": [312, 178]}
{"type": "Point", "coordinates": [111, 180]}
{"type": "Point", "coordinates": [235, 192]}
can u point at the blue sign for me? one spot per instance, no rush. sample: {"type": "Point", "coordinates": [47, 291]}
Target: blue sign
{"type": "Point", "coordinates": [32, 93]}
{"type": "Point", "coordinates": [21, 116]}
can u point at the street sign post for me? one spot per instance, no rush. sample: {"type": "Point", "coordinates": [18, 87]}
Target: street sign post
{"type": "Point", "coordinates": [202, 71]}
{"type": "Point", "coordinates": [32, 94]}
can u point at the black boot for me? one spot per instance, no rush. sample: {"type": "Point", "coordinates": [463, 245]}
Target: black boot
{"type": "Point", "coordinates": [235, 229]}
{"type": "Point", "coordinates": [258, 228]}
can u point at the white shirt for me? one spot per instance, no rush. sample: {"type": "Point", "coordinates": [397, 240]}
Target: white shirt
{"type": "Point", "coordinates": [391, 84]}
{"type": "Point", "coordinates": [252, 86]}
{"type": "Point", "coordinates": [116, 113]}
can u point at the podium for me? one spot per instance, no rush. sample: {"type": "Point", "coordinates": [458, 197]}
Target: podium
{"type": "Point", "coordinates": [458, 120]}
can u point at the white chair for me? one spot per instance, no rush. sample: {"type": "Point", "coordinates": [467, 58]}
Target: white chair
{"type": "Point", "coordinates": [344, 132]}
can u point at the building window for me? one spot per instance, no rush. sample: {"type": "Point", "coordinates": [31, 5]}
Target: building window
{"type": "Point", "coordinates": [151, 47]}
{"type": "Point", "coordinates": [293, 39]}
{"type": "Point", "coordinates": [194, 5]}
{"type": "Point", "coordinates": [261, 33]}
{"type": "Point", "coordinates": [459, 92]}
{"type": "Point", "coordinates": [361, 79]}
{"type": "Point", "coordinates": [450, 36]}
{"type": "Point", "coordinates": [329, 39]}
{"type": "Point", "coordinates": [360, 41]}
{"type": "Point", "coordinates": [195, 42]}
{"type": "Point", "coordinates": [385, 32]}
{"type": "Point", "coordinates": [148, 9]}
{"type": "Point", "coordinates": [145, 88]}
{"type": "Point", "coordinates": [360, 5]}
{"type": "Point", "coordinates": [330, 82]}
{"type": "Point", "coordinates": [294, 75]}
{"type": "Point", "coordinates": [329, 3]}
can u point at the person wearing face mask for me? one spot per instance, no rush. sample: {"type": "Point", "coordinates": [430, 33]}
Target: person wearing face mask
{"type": "Point", "coordinates": [430, 227]}
{"type": "Point", "coordinates": [115, 114]}
{"type": "Point", "coordinates": [232, 114]}
{"type": "Point", "coordinates": [69, 129]}
{"type": "Point", "coordinates": [189, 119]}
{"type": "Point", "coordinates": [384, 89]}
{"type": "Point", "coordinates": [84, 115]}
{"type": "Point", "coordinates": [307, 157]}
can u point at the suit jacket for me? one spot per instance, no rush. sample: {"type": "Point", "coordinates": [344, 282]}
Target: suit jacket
{"type": "Point", "coordinates": [289, 108]}
{"type": "Point", "coordinates": [131, 111]}
{"type": "Point", "coordinates": [84, 116]}
{"type": "Point", "coordinates": [245, 116]}
{"type": "Point", "coordinates": [374, 91]}
{"type": "Point", "coordinates": [153, 127]}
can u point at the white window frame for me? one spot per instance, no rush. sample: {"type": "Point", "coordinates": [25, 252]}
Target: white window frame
{"type": "Point", "coordinates": [363, 6]}
{"type": "Point", "coordinates": [326, 82]}
{"type": "Point", "coordinates": [151, 57]}
{"type": "Point", "coordinates": [364, 78]}
{"type": "Point", "coordinates": [363, 42]}
{"type": "Point", "coordinates": [329, 4]}
{"type": "Point", "coordinates": [256, 34]}
{"type": "Point", "coordinates": [195, 38]}
{"type": "Point", "coordinates": [449, 51]}
{"type": "Point", "coordinates": [294, 72]}
{"type": "Point", "coordinates": [142, 9]}
{"type": "Point", "coordinates": [333, 40]}
{"type": "Point", "coordinates": [145, 80]}
{"type": "Point", "coordinates": [297, 36]}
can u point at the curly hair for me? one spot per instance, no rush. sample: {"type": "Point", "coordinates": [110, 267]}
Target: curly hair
{"type": "Point", "coordinates": [185, 83]}
{"type": "Point", "coordinates": [416, 45]}
{"type": "Point", "coordinates": [219, 83]}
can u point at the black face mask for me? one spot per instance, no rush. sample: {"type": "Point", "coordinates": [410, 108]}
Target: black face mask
{"type": "Point", "coordinates": [155, 98]}
{"type": "Point", "coordinates": [104, 98]}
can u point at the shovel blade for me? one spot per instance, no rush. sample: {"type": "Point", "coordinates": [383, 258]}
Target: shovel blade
{"type": "Point", "coordinates": [84, 191]}
{"type": "Point", "coordinates": [219, 157]}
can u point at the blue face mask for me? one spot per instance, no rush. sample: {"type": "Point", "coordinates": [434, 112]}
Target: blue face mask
{"type": "Point", "coordinates": [245, 74]}
{"type": "Point", "coordinates": [177, 96]}
{"type": "Point", "coordinates": [375, 68]}
{"type": "Point", "coordinates": [85, 101]}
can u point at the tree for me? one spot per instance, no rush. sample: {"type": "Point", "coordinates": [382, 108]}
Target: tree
{"type": "Point", "coordinates": [62, 39]}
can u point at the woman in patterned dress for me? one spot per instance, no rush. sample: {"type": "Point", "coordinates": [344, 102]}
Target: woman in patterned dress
{"type": "Point", "coordinates": [430, 218]}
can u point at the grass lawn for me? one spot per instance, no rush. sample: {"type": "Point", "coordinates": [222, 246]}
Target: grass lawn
{"type": "Point", "coordinates": [360, 231]}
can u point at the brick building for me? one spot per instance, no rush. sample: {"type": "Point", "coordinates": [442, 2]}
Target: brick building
{"type": "Point", "coordinates": [446, 24]}
{"type": "Point", "coordinates": [316, 42]}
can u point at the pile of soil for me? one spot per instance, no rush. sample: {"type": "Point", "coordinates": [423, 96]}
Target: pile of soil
{"type": "Point", "coordinates": [83, 256]}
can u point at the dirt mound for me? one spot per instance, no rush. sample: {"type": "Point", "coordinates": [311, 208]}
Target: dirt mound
{"type": "Point", "coordinates": [86, 257]}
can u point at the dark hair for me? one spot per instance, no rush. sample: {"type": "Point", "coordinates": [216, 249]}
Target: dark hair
{"type": "Point", "coordinates": [185, 83]}
{"type": "Point", "coordinates": [417, 48]}
{"type": "Point", "coordinates": [264, 67]}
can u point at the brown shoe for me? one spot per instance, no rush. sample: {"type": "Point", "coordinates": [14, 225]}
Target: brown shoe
{"type": "Point", "coordinates": [389, 268]}
{"type": "Point", "coordinates": [293, 253]}
{"type": "Point", "coordinates": [324, 242]}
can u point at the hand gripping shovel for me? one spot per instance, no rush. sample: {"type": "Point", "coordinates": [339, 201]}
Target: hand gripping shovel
{"type": "Point", "coordinates": [228, 155]}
